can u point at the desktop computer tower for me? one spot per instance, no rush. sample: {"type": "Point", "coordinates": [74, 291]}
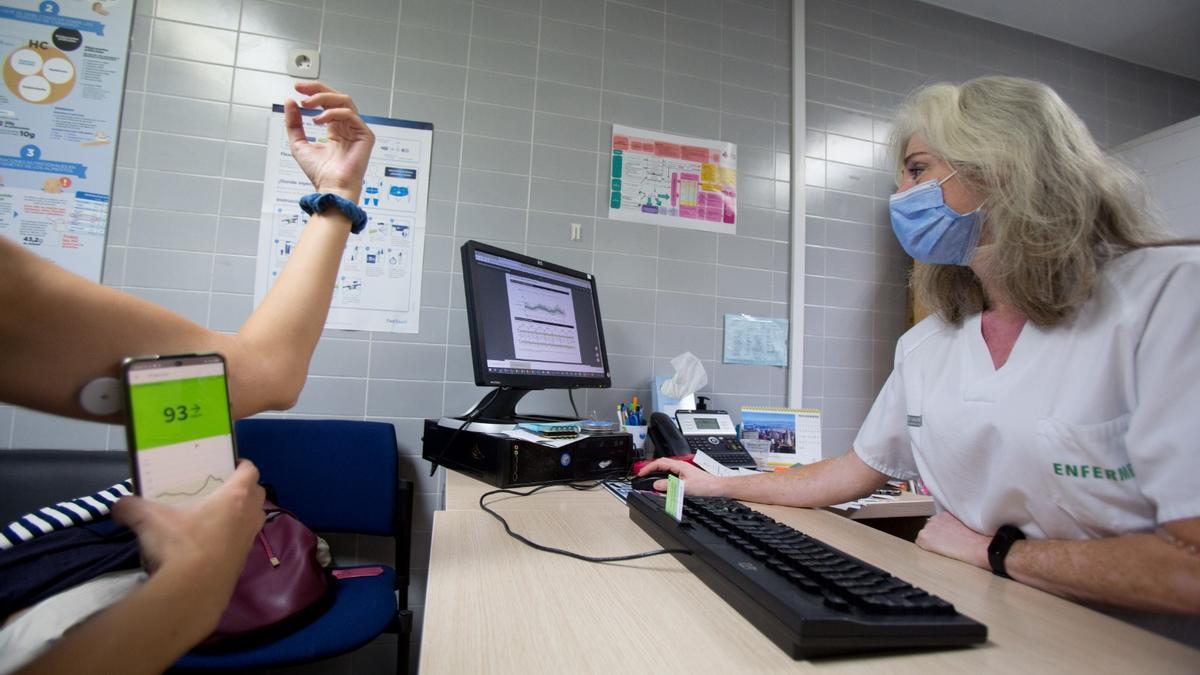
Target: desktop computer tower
{"type": "Point", "coordinates": [510, 462]}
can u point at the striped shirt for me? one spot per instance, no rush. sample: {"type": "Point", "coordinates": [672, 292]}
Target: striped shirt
{"type": "Point", "coordinates": [63, 515]}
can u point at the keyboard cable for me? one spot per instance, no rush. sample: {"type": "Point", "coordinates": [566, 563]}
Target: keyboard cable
{"type": "Point", "coordinates": [558, 551]}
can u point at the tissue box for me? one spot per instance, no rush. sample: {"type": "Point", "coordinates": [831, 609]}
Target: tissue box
{"type": "Point", "coordinates": [660, 402]}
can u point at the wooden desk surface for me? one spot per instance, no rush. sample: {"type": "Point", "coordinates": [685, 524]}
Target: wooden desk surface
{"type": "Point", "coordinates": [495, 605]}
{"type": "Point", "coordinates": [462, 493]}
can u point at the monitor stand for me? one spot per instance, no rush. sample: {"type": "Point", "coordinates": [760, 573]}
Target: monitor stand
{"type": "Point", "coordinates": [497, 412]}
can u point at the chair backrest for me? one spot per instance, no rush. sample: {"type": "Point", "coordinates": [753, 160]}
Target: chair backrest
{"type": "Point", "coordinates": [31, 479]}
{"type": "Point", "coordinates": [335, 475]}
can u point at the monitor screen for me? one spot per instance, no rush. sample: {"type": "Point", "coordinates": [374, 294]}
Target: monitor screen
{"type": "Point", "coordinates": [534, 324]}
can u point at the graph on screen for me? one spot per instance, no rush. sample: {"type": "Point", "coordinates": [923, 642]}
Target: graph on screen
{"type": "Point", "coordinates": [543, 320]}
{"type": "Point", "coordinates": [183, 472]}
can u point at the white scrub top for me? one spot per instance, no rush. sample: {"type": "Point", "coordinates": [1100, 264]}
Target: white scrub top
{"type": "Point", "coordinates": [1090, 429]}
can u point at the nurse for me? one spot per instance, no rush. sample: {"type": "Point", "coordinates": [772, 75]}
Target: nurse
{"type": "Point", "coordinates": [1050, 402]}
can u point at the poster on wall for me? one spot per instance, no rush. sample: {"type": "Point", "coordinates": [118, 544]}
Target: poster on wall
{"type": "Point", "coordinates": [379, 281]}
{"type": "Point", "coordinates": [60, 108]}
{"type": "Point", "coordinates": [664, 179]}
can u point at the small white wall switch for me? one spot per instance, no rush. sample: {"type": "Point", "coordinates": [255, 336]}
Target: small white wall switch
{"type": "Point", "coordinates": [304, 63]}
{"type": "Point", "coordinates": [576, 232]}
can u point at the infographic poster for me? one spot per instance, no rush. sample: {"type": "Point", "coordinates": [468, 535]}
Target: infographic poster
{"type": "Point", "coordinates": [664, 179]}
{"type": "Point", "coordinates": [64, 78]}
{"type": "Point", "coordinates": [379, 281]}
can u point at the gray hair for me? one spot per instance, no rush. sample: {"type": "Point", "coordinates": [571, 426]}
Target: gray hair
{"type": "Point", "coordinates": [1055, 205]}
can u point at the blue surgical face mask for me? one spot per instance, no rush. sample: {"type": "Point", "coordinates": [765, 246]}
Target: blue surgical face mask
{"type": "Point", "coordinates": [930, 231]}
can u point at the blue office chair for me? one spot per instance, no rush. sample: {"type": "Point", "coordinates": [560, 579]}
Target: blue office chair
{"type": "Point", "coordinates": [336, 476]}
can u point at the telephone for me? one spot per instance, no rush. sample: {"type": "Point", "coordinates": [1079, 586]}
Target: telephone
{"type": "Point", "coordinates": [710, 431]}
{"type": "Point", "coordinates": [665, 436]}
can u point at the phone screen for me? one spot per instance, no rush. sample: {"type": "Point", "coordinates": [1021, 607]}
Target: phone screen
{"type": "Point", "coordinates": [180, 431]}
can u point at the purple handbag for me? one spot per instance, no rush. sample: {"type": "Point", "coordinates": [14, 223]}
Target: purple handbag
{"type": "Point", "coordinates": [280, 581]}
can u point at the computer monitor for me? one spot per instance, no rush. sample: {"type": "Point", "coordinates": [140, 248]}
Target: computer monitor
{"type": "Point", "coordinates": [533, 324]}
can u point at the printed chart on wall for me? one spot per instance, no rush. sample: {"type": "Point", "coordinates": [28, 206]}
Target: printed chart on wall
{"type": "Point", "coordinates": [664, 179]}
{"type": "Point", "coordinates": [379, 282]}
{"type": "Point", "coordinates": [64, 77]}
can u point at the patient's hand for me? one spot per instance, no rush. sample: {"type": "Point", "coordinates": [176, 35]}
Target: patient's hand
{"type": "Point", "coordinates": [207, 541]}
{"type": "Point", "coordinates": [338, 165]}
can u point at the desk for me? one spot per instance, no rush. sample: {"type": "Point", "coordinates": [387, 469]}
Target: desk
{"type": "Point", "coordinates": [495, 605]}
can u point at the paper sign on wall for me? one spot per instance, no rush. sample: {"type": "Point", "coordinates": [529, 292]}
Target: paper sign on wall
{"type": "Point", "coordinates": [379, 281]}
{"type": "Point", "coordinates": [64, 78]}
{"type": "Point", "coordinates": [664, 179]}
{"type": "Point", "coordinates": [758, 341]}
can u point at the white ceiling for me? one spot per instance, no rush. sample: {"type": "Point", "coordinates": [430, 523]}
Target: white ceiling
{"type": "Point", "coordinates": [1162, 34]}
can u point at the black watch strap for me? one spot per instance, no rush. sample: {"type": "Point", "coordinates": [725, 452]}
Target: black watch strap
{"type": "Point", "coordinates": [1004, 539]}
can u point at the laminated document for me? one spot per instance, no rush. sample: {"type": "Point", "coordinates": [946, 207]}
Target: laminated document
{"type": "Point", "coordinates": [378, 284]}
{"type": "Point", "coordinates": [64, 75]}
{"type": "Point", "coordinates": [665, 179]}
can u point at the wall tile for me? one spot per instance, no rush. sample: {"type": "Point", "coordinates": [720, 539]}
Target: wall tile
{"type": "Point", "coordinates": [481, 221]}
{"type": "Point", "coordinates": [636, 80]}
{"type": "Point", "coordinates": [279, 20]}
{"type": "Point", "coordinates": [498, 122]}
{"type": "Point", "coordinates": [195, 43]}
{"type": "Point", "coordinates": [563, 163]}
{"type": "Point", "coordinates": [494, 154]}
{"type": "Point", "coordinates": [427, 77]}
{"type": "Point", "coordinates": [633, 20]}
{"type": "Point", "coordinates": [586, 12]}
{"type": "Point", "coordinates": [684, 309]}
{"type": "Point", "coordinates": [379, 36]}
{"type": "Point", "coordinates": [691, 120]}
{"type": "Point", "coordinates": [560, 196]}
{"type": "Point", "coordinates": [438, 14]}
{"type": "Point", "coordinates": [496, 189]}
{"type": "Point", "coordinates": [573, 38]}
{"type": "Point", "coordinates": [686, 276]}
{"type": "Point", "coordinates": [188, 78]}
{"type": "Point", "coordinates": [216, 13]}
{"type": "Point", "coordinates": [503, 57]}
{"type": "Point", "coordinates": [500, 89]}
{"type": "Point", "coordinates": [500, 24]}
{"type": "Point", "coordinates": [174, 230]}
{"type": "Point", "coordinates": [353, 65]}
{"type": "Point", "coordinates": [31, 429]}
{"type": "Point", "coordinates": [569, 132]}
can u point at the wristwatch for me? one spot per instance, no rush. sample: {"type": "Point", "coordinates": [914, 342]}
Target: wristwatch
{"type": "Point", "coordinates": [1005, 537]}
{"type": "Point", "coordinates": [317, 203]}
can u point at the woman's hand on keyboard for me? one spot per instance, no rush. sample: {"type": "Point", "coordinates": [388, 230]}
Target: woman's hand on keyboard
{"type": "Point", "coordinates": [700, 483]}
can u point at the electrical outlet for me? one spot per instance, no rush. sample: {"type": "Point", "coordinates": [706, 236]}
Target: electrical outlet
{"type": "Point", "coordinates": [576, 232]}
{"type": "Point", "coordinates": [304, 63]}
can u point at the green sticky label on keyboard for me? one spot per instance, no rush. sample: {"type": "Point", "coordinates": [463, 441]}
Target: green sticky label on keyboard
{"type": "Point", "coordinates": [674, 506]}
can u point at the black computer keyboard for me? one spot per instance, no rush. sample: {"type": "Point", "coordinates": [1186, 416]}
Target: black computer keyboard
{"type": "Point", "coordinates": [809, 598]}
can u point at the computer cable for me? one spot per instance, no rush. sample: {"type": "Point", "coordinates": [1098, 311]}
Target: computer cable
{"type": "Point", "coordinates": [558, 551]}
{"type": "Point", "coordinates": [471, 417]}
{"type": "Point", "coordinates": [571, 395]}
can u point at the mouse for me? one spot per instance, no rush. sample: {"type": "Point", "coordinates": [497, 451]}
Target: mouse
{"type": "Point", "coordinates": [646, 483]}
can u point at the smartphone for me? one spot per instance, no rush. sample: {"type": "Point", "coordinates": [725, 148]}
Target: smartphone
{"type": "Point", "coordinates": [178, 425]}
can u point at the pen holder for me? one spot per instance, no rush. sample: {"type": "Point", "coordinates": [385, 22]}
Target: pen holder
{"type": "Point", "coordinates": [638, 431]}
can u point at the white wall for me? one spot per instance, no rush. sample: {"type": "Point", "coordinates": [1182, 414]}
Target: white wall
{"type": "Point", "coordinates": [1170, 161]}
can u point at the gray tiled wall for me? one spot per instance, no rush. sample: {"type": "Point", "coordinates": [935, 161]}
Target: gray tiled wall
{"type": "Point", "coordinates": [522, 94]}
{"type": "Point", "coordinates": [861, 57]}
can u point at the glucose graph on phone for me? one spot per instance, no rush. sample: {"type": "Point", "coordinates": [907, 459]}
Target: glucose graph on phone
{"type": "Point", "coordinates": [182, 431]}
